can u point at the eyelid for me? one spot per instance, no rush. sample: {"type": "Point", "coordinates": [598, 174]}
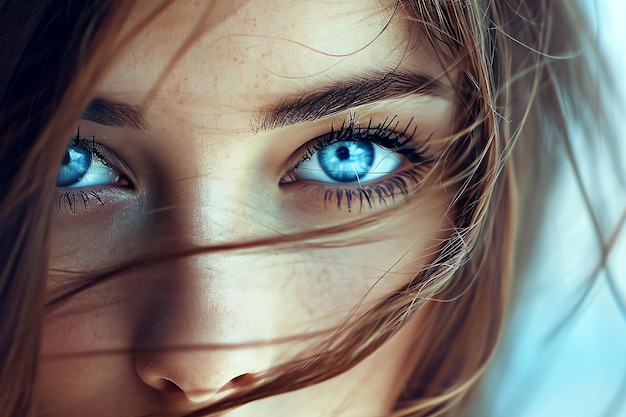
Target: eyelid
{"type": "Point", "coordinates": [384, 134]}
{"type": "Point", "coordinates": [105, 155]}
{"type": "Point", "coordinates": [98, 170]}
{"type": "Point", "coordinates": [378, 163]}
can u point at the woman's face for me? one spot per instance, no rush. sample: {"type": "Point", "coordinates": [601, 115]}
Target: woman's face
{"type": "Point", "coordinates": [281, 117]}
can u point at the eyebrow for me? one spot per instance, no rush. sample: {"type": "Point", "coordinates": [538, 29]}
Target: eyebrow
{"type": "Point", "coordinates": [114, 114]}
{"type": "Point", "coordinates": [346, 94]}
{"type": "Point", "coordinates": [325, 101]}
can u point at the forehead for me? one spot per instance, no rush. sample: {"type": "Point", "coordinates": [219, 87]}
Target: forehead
{"type": "Point", "coordinates": [243, 55]}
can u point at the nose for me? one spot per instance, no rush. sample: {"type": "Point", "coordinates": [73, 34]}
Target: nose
{"type": "Point", "coordinates": [201, 334]}
{"type": "Point", "coordinates": [197, 375]}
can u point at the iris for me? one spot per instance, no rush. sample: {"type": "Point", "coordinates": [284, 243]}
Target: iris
{"type": "Point", "coordinates": [347, 161]}
{"type": "Point", "coordinates": [75, 165]}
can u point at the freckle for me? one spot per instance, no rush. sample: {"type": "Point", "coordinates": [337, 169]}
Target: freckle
{"type": "Point", "coordinates": [242, 62]}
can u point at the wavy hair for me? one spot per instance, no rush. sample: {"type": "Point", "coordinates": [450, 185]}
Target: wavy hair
{"type": "Point", "coordinates": [521, 65]}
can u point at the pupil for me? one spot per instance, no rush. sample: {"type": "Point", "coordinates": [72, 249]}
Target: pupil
{"type": "Point", "coordinates": [66, 158]}
{"type": "Point", "coordinates": [342, 153]}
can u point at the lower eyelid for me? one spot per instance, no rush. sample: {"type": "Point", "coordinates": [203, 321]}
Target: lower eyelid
{"type": "Point", "coordinates": [106, 170]}
{"type": "Point", "coordinates": [98, 171]}
{"type": "Point", "coordinates": [384, 136]}
{"type": "Point", "coordinates": [358, 197]}
{"type": "Point", "coordinates": [70, 201]}
{"type": "Point", "coordinates": [404, 165]}
{"type": "Point", "coordinates": [79, 201]}
{"type": "Point", "coordinates": [382, 162]}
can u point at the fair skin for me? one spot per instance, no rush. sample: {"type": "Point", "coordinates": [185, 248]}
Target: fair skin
{"type": "Point", "coordinates": [202, 171]}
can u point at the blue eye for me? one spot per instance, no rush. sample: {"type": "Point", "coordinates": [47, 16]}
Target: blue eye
{"type": "Point", "coordinates": [347, 162]}
{"type": "Point", "coordinates": [80, 168]}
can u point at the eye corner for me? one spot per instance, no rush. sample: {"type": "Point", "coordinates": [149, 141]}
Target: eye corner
{"type": "Point", "coordinates": [88, 163]}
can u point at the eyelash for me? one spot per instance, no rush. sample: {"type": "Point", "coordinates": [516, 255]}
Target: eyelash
{"type": "Point", "coordinates": [68, 200]}
{"type": "Point", "coordinates": [72, 198]}
{"type": "Point", "coordinates": [386, 135]}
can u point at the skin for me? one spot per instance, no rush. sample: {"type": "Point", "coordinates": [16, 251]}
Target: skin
{"type": "Point", "coordinates": [201, 174]}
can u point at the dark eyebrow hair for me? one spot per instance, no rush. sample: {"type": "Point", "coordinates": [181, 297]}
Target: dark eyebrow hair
{"type": "Point", "coordinates": [345, 94]}
{"type": "Point", "coordinates": [115, 114]}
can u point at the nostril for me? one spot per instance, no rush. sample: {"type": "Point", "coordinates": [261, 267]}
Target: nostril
{"type": "Point", "coordinates": [167, 387]}
{"type": "Point", "coordinates": [199, 377]}
{"type": "Point", "coordinates": [240, 381]}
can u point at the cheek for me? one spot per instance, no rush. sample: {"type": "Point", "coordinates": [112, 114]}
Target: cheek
{"type": "Point", "coordinates": [318, 286]}
{"type": "Point", "coordinates": [368, 389]}
{"type": "Point", "coordinates": [305, 287]}
{"type": "Point", "coordinates": [101, 318]}
{"type": "Point", "coordinates": [92, 342]}
{"type": "Point", "coordinates": [95, 386]}
{"type": "Point", "coordinates": [86, 358]}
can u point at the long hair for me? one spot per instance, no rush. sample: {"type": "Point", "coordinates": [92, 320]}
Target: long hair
{"type": "Point", "coordinates": [44, 44]}
{"type": "Point", "coordinates": [518, 74]}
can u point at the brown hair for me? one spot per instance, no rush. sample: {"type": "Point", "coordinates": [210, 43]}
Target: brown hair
{"type": "Point", "coordinates": [515, 85]}
{"type": "Point", "coordinates": [43, 44]}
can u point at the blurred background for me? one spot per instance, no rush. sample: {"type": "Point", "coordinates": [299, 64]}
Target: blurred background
{"type": "Point", "coordinates": [564, 350]}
